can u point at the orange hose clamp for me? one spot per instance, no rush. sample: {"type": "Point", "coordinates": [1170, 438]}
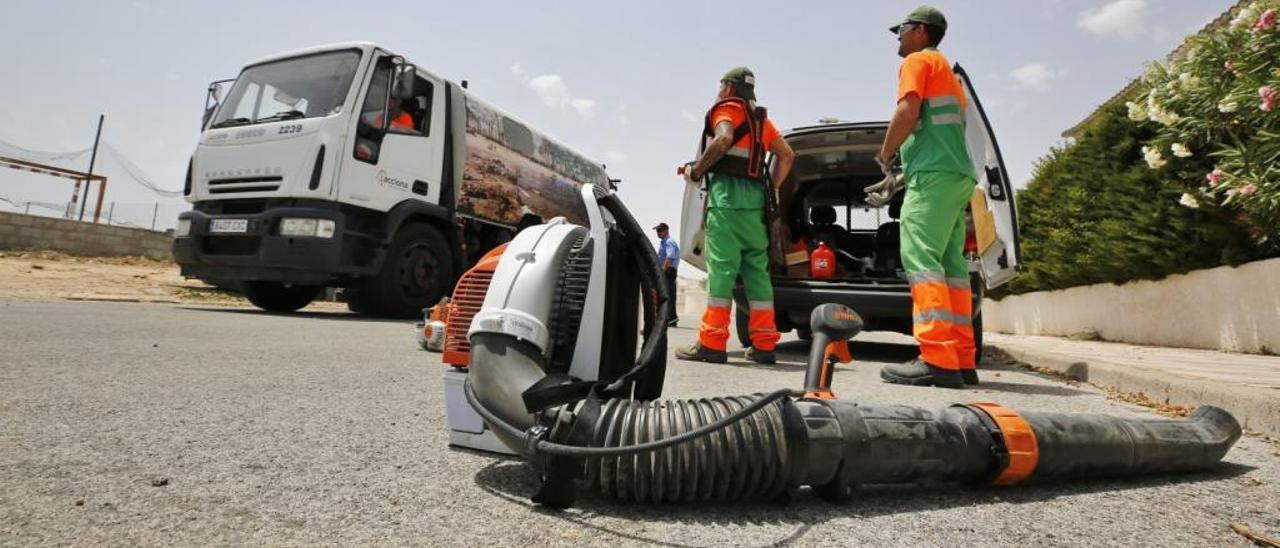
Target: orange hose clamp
{"type": "Point", "coordinates": [1019, 440]}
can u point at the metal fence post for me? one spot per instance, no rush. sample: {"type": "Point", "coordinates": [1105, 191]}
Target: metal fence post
{"type": "Point", "coordinates": [154, 213]}
{"type": "Point", "coordinates": [111, 212]}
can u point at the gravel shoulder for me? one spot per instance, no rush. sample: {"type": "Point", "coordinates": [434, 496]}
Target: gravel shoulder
{"type": "Point", "coordinates": [50, 275]}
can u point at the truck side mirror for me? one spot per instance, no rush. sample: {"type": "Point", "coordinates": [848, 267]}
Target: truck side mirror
{"type": "Point", "coordinates": [402, 88]}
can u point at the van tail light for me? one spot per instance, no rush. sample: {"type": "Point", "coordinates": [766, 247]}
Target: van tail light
{"type": "Point", "coordinates": [970, 242]}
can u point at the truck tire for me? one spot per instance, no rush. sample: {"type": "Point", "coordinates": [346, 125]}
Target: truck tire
{"type": "Point", "coordinates": [278, 297]}
{"type": "Point", "coordinates": [416, 273]}
{"type": "Point", "coordinates": [356, 301]}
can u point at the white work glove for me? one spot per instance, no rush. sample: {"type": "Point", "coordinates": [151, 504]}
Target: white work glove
{"type": "Point", "coordinates": [687, 172]}
{"type": "Point", "coordinates": [882, 192]}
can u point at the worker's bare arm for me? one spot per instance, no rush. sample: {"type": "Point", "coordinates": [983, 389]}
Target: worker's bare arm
{"type": "Point", "coordinates": [715, 151]}
{"type": "Point", "coordinates": [900, 127]}
{"type": "Point", "coordinates": [783, 158]}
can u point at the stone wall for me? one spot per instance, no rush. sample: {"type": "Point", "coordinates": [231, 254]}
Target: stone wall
{"type": "Point", "coordinates": [18, 231]}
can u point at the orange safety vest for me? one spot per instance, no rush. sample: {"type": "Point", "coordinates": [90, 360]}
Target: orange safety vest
{"type": "Point", "coordinates": [742, 161]}
{"type": "Point", "coordinates": [403, 121]}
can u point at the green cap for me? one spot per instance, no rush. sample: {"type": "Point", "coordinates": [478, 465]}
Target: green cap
{"type": "Point", "coordinates": [928, 15]}
{"type": "Point", "coordinates": [743, 80]}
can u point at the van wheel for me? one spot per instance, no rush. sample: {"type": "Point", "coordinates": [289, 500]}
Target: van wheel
{"type": "Point", "coordinates": [416, 273]}
{"type": "Point", "coordinates": [278, 297]}
{"type": "Point", "coordinates": [977, 337]}
{"type": "Point", "coordinates": [742, 324]}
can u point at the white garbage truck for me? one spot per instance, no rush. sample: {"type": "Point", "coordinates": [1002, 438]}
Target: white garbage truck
{"type": "Point", "coordinates": [348, 166]}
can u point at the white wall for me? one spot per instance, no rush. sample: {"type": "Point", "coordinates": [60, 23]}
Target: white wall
{"type": "Point", "coordinates": [1231, 309]}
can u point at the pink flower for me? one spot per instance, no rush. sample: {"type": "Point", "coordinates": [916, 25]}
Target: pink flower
{"type": "Point", "coordinates": [1269, 96]}
{"type": "Point", "coordinates": [1249, 189]}
{"type": "Point", "coordinates": [1266, 22]}
{"type": "Point", "coordinates": [1214, 177]}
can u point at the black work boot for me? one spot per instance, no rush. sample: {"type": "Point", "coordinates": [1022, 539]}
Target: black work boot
{"type": "Point", "coordinates": [919, 373]}
{"type": "Point", "coordinates": [760, 356]}
{"type": "Point", "coordinates": [698, 353]}
{"type": "Point", "coordinates": [970, 376]}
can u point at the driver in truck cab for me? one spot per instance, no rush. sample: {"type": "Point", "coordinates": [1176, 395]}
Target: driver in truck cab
{"type": "Point", "coordinates": [401, 121]}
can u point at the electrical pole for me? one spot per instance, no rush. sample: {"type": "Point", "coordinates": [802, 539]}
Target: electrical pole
{"type": "Point", "coordinates": [88, 183]}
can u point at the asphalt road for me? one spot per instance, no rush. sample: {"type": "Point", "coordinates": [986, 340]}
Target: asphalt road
{"type": "Point", "coordinates": [160, 424]}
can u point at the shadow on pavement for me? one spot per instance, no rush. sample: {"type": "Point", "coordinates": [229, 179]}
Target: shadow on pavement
{"type": "Point", "coordinates": [511, 480]}
{"type": "Point", "coordinates": [340, 315]}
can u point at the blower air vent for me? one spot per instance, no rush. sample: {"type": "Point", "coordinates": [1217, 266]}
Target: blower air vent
{"type": "Point", "coordinates": [468, 297]}
{"type": "Point", "coordinates": [569, 302]}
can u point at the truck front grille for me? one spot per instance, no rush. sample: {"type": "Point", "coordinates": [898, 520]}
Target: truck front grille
{"type": "Point", "coordinates": [245, 184]}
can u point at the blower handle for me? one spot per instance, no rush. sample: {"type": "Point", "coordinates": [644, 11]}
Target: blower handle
{"type": "Point", "coordinates": [832, 326]}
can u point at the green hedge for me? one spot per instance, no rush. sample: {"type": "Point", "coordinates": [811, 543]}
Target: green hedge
{"type": "Point", "coordinates": [1094, 212]}
{"type": "Point", "coordinates": [1186, 175]}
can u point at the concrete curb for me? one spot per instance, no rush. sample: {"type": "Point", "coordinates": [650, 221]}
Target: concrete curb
{"type": "Point", "coordinates": [1256, 408]}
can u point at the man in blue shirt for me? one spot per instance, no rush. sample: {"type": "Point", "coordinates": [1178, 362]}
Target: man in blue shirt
{"type": "Point", "coordinates": [668, 260]}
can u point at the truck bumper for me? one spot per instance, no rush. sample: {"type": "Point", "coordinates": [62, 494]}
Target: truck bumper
{"type": "Point", "coordinates": [260, 253]}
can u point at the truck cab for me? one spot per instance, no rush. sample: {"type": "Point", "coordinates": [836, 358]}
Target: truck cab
{"type": "Point", "coordinates": [824, 201]}
{"type": "Point", "coordinates": [348, 166]}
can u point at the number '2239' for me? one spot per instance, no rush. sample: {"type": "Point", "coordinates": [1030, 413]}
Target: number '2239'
{"type": "Point", "coordinates": [293, 128]}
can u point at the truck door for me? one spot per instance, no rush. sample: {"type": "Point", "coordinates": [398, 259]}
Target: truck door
{"type": "Point", "coordinates": [995, 217]}
{"type": "Point", "coordinates": [397, 149]}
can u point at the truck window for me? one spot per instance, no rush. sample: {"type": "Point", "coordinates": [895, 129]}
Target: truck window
{"type": "Point", "coordinates": [301, 87]}
{"type": "Point", "coordinates": [375, 101]}
{"type": "Point", "coordinates": [369, 132]}
{"type": "Point", "coordinates": [418, 107]}
{"type": "Point", "coordinates": [382, 114]}
{"type": "Point", "coordinates": [247, 109]}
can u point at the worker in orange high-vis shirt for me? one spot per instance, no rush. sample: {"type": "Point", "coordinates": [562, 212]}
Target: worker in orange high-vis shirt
{"type": "Point", "coordinates": [736, 136]}
{"type": "Point", "coordinates": [928, 128]}
{"type": "Point", "coordinates": [401, 121]}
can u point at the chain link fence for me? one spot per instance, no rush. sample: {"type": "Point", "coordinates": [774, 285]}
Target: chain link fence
{"type": "Point", "coordinates": [158, 216]}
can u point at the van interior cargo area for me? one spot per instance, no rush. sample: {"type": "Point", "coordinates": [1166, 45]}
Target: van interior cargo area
{"type": "Point", "coordinates": [825, 203]}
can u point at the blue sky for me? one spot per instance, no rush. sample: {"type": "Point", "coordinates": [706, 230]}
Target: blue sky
{"type": "Point", "coordinates": [624, 82]}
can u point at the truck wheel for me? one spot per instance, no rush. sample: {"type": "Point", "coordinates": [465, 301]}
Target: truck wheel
{"type": "Point", "coordinates": [278, 297]}
{"type": "Point", "coordinates": [356, 301]}
{"type": "Point", "coordinates": [415, 274]}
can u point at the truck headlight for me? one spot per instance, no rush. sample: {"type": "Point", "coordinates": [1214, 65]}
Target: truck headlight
{"type": "Point", "coordinates": [184, 228]}
{"type": "Point", "coordinates": [318, 228]}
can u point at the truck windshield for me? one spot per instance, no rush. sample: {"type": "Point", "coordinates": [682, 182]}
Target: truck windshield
{"type": "Point", "coordinates": [302, 87]}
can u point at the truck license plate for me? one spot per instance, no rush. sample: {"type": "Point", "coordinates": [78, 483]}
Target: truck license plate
{"type": "Point", "coordinates": [229, 226]}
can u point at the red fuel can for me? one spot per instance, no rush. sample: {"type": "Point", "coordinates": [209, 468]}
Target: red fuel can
{"type": "Point", "coordinates": [822, 262]}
